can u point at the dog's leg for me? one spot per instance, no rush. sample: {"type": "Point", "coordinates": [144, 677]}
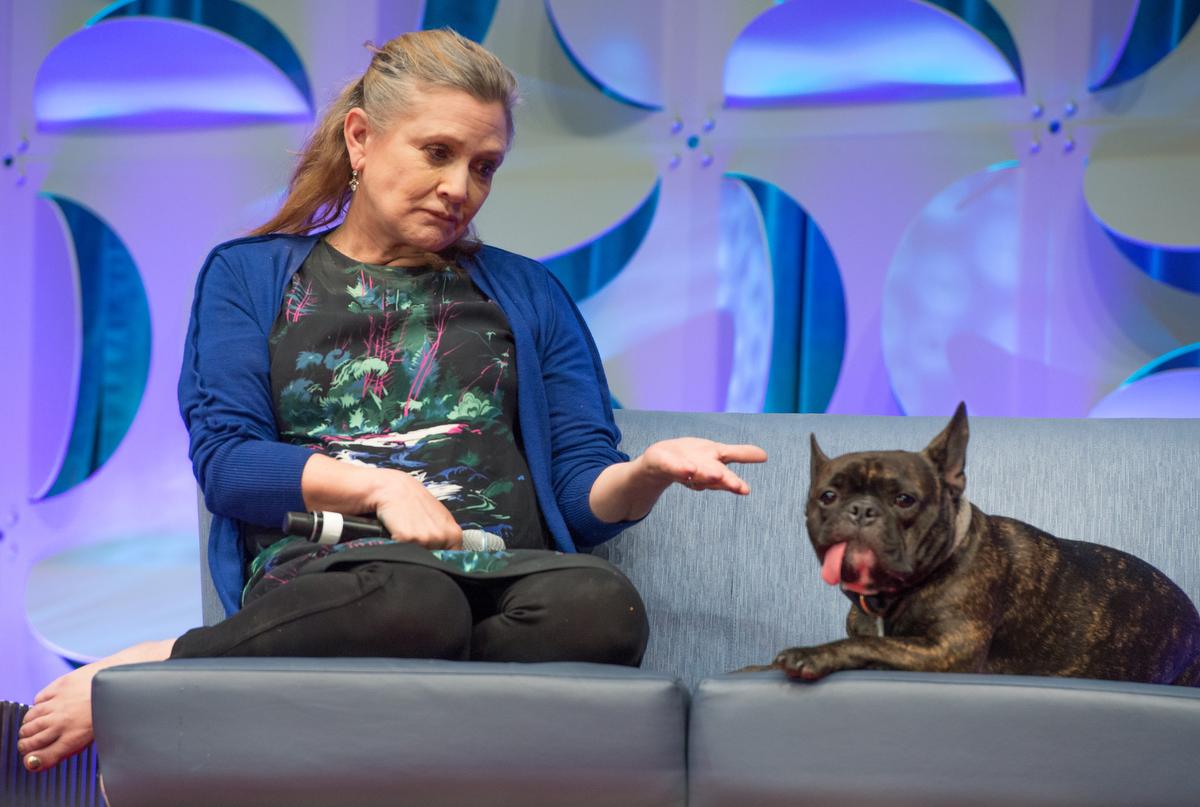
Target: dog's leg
{"type": "Point", "coordinates": [963, 650]}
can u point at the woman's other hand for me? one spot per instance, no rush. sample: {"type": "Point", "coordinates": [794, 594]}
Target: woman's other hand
{"type": "Point", "coordinates": [407, 510]}
{"type": "Point", "coordinates": [628, 490]}
{"type": "Point", "coordinates": [411, 513]}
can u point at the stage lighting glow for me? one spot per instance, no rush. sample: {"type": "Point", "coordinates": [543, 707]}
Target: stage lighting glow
{"type": "Point", "coordinates": [153, 73]}
{"type": "Point", "coordinates": [867, 50]}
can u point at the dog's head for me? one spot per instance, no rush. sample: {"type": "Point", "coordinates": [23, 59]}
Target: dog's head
{"type": "Point", "coordinates": [881, 521]}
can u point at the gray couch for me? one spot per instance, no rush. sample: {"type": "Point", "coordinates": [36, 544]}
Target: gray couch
{"type": "Point", "coordinates": [728, 581]}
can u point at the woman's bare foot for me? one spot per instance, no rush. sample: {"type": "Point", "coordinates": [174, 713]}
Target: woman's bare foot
{"type": "Point", "coordinates": [59, 724]}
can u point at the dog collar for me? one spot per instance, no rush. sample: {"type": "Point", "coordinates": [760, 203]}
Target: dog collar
{"type": "Point", "coordinates": [873, 604]}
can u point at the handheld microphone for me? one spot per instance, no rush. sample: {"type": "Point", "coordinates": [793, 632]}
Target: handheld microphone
{"type": "Point", "coordinates": [327, 527]}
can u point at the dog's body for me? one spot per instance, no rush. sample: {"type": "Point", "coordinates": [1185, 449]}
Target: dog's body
{"type": "Point", "coordinates": [938, 585]}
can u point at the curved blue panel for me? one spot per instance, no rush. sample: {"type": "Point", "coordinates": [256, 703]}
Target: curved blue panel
{"type": "Point", "coordinates": [595, 80]}
{"type": "Point", "coordinates": [981, 16]}
{"type": "Point", "coordinates": [809, 326]}
{"type": "Point", "coordinates": [1175, 267]}
{"type": "Point", "coordinates": [1186, 356]}
{"type": "Point", "coordinates": [872, 50]}
{"type": "Point", "coordinates": [1171, 394]}
{"type": "Point", "coordinates": [471, 18]}
{"type": "Point", "coordinates": [161, 72]}
{"type": "Point", "coordinates": [115, 356]}
{"type": "Point", "coordinates": [586, 269]}
{"type": "Point", "coordinates": [1157, 28]}
{"type": "Point", "coordinates": [232, 18]}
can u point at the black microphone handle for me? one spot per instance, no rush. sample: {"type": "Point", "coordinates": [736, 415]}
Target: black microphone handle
{"type": "Point", "coordinates": [323, 527]}
{"type": "Point", "coordinates": [326, 527]}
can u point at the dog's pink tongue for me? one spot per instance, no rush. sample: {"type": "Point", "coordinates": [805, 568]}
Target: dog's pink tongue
{"type": "Point", "coordinates": [831, 567]}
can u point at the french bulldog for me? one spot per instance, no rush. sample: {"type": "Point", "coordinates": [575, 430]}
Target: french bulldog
{"type": "Point", "coordinates": [938, 585]}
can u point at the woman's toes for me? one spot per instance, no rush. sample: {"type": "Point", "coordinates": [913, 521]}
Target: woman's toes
{"type": "Point", "coordinates": [34, 742]}
{"type": "Point", "coordinates": [50, 747]}
{"type": "Point", "coordinates": [49, 692]}
{"type": "Point", "coordinates": [32, 726]}
{"type": "Point", "coordinates": [35, 712]}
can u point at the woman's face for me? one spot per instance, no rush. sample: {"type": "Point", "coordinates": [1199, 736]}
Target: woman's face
{"type": "Point", "coordinates": [423, 179]}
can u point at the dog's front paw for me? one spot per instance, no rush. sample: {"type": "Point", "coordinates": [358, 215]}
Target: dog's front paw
{"type": "Point", "coordinates": [807, 663]}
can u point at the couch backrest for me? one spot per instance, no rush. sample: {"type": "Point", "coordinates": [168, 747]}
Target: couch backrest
{"type": "Point", "coordinates": [730, 581]}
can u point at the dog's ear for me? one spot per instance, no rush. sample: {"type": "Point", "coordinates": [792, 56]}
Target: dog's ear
{"type": "Point", "coordinates": [948, 452]}
{"type": "Point", "coordinates": [817, 459]}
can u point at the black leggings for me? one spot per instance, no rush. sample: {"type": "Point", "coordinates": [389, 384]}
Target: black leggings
{"type": "Point", "coordinates": [403, 610]}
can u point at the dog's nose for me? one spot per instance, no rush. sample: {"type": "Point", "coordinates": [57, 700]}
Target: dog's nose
{"type": "Point", "coordinates": [863, 512]}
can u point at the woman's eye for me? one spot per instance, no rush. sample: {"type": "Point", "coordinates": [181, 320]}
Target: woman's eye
{"type": "Point", "coordinates": [828, 497]}
{"type": "Point", "coordinates": [486, 170]}
{"type": "Point", "coordinates": [438, 153]}
{"type": "Point", "coordinates": [904, 500]}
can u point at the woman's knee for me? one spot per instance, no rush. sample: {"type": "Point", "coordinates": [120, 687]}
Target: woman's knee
{"type": "Point", "coordinates": [414, 612]}
{"type": "Point", "coordinates": [595, 613]}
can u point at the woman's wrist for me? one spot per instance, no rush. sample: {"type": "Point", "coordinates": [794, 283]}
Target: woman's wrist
{"type": "Point", "coordinates": [329, 484]}
{"type": "Point", "coordinates": [626, 491]}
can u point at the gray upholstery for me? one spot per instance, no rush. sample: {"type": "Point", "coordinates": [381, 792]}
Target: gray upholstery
{"type": "Point", "coordinates": [728, 581]}
{"type": "Point", "coordinates": [389, 732]}
{"type": "Point", "coordinates": [890, 738]}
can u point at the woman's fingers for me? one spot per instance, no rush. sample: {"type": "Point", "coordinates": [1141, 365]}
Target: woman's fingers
{"type": "Point", "coordinates": [414, 515]}
{"type": "Point", "coordinates": [743, 452]}
{"type": "Point", "coordinates": [701, 464]}
{"type": "Point", "coordinates": [722, 479]}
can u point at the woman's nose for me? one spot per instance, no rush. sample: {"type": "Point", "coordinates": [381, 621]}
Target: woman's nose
{"type": "Point", "coordinates": [453, 185]}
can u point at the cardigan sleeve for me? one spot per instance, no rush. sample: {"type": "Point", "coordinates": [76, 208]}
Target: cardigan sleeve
{"type": "Point", "coordinates": [243, 469]}
{"type": "Point", "coordinates": [584, 437]}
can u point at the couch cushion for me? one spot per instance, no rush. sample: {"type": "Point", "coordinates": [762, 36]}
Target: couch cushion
{"type": "Point", "coordinates": [864, 738]}
{"type": "Point", "coordinates": [278, 731]}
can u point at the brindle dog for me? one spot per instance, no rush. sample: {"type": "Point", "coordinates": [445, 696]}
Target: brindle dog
{"type": "Point", "coordinates": [938, 585]}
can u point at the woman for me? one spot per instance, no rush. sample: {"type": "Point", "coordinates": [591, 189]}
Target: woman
{"type": "Point", "coordinates": [392, 366]}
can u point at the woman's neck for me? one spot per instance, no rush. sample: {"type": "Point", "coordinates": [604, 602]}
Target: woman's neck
{"type": "Point", "coordinates": [359, 243]}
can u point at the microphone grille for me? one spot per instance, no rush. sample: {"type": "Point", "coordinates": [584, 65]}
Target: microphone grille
{"type": "Point", "coordinates": [482, 541]}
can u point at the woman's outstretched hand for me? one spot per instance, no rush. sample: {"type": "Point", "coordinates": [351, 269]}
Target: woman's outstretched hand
{"type": "Point", "coordinates": [628, 490]}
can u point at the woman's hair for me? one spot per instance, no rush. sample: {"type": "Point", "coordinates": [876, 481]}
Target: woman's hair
{"type": "Point", "coordinates": [318, 193]}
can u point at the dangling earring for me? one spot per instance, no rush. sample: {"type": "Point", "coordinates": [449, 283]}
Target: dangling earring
{"type": "Point", "coordinates": [353, 180]}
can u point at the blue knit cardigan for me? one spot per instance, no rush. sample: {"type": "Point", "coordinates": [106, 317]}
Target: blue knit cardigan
{"type": "Point", "coordinates": [248, 475]}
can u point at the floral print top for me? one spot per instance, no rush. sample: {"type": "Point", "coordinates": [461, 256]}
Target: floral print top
{"type": "Point", "coordinates": [406, 368]}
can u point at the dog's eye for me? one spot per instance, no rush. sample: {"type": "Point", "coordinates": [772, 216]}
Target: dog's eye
{"type": "Point", "coordinates": [828, 497]}
{"type": "Point", "coordinates": [905, 501]}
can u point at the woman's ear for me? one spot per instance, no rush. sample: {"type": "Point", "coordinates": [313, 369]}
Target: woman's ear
{"type": "Point", "coordinates": [356, 130]}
